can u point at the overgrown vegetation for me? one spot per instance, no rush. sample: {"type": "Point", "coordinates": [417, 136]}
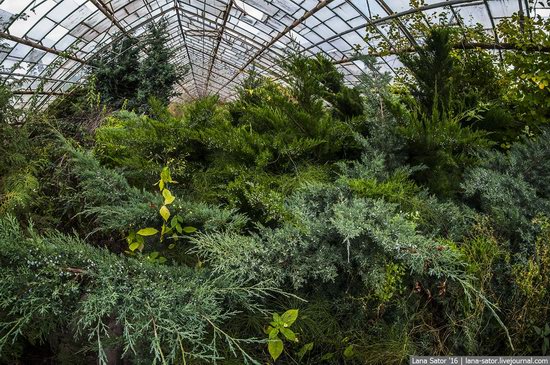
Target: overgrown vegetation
{"type": "Point", "coordinates": [305, 223]}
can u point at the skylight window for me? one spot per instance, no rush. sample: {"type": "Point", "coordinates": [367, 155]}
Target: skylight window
{"type": "Point", "coordinates": [87, 4]}
{"type": "Point", "coordinates": [298, 38]}
{"type": "Point", "coordinates": [545, 13]}
{"type": "Point", "coordinates": [58, 32]}
{"type": "Point", "coordinates": [14, 6]}
{"type": "Point", "coordinates": [247, 27]}
{"type": "Point", "coordinates": [250, 10]}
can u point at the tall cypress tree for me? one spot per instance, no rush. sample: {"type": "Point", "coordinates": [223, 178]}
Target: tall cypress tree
{"type": "Point", "coordinates": [158, 76]}
{"type": "Point", "coordinates": [432, 68]}
{"type": "Point", "coordinates": [117, 75]}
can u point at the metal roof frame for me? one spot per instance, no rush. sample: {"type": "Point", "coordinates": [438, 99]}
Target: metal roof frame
{"type": "Point", "coordinates": [50, 48]}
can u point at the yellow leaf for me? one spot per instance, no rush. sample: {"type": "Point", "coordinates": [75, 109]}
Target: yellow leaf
{"type": "Point", "coordinates": [168, 197]}
{"type": "Point", "coordinates": [541, 86]}
{"type": "Point", "coordinates": [147, 231]}
{"type": "Point", "coordinates": [275, 348]}
{"type": "Point", "coordinates": [164, 212]}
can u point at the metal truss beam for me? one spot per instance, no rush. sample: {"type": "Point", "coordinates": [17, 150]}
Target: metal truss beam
{"type": "Point", "coordinates": [39, 46]}
{"type": "Point", "coordinates": [226, 13]}
{"type": "Point", "coordinates": [177, 9]}
{"type": "Point", "coordinates": [103, 8]}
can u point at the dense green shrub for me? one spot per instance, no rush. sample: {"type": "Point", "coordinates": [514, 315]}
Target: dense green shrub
{"type": "Point", "coordinates": [371, 177]}
{"type": "Point", "coordinates": [442, 148]}
{"type": "Point", "coordinates": [366, 248]}
{"type": "Point", "coordinates": [512, 188]}
{"type": "Point", "coordinates": [104, 196]}
{"type": "Point", "coordinates": [354, 241]}
{"type": "Point", "coordinates": [113, 306]}
{"type": "Point", "coordinates": [18, 181]}
{"type": "Point", "coordinates": [248, 155]}
{"type": "Point", "coordinates": [527, 80]}
{"type": "Point", "coordinates": [530, 302]}
{"type": "Point", "coordinates": [140, 145]}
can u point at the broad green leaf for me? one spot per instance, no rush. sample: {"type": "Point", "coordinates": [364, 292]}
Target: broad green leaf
{"type": "Point", "coordinates": [537, 330]}
{"type": "Point", "coordinates": [189, 229]}
{"type": "Point", "coordinates": [173, 221]}
{"type": "Point", "coordinates": [276, 318]}
{"type": "Point", "coordinates": [273, 333]}
{"type": "Point", "coordinates": [171, 246]}
{"type": "Point", "coordinates": [306, 348]}
{"type": "Point", "coordinates": [178, 228]}
{"type": "Point", "coordinates": [162, 259]}
{"type": "Point", "coordinates": [134, 246]}
{"type": "Point", "coordinates": [164, 212]}
{"type": "Point", "coordinates": [328, 356]}
{"type": "Point", "coordinates": [348, 352]}
{"type": "Point", "coordinates": [275, 348]}
{"type": "Point", "coordinates": [267, 330]}
{"type": "Point", "coordinates": [161, 185]}
{"type": "Point", "coordinates": [147, 231]}
{"type": "Point", "coordinates": [168, 197]}
{"type": "Point", "coordinates": [289, 334]}
{"type": "Point", "coordinates": [546, 330]}
{"type": "Point", "coordinates": [289, 317]}
{"type": "Point", "coordinates": [153, 255]}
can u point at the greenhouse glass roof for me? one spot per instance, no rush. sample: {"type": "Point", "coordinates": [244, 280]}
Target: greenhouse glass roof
{"type": "Point", "coordinates": [47, 44]}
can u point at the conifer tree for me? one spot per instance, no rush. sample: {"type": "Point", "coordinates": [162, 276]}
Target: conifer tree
{"type": "Point", "coordinates": [117, 77]}
{"type": "Point", "coordinates": [432, 67]}
{"type": "Point", "coordinates": [158, 76]}
{"type": "Point", "coordinates": [135, 70]}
